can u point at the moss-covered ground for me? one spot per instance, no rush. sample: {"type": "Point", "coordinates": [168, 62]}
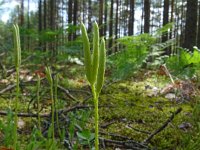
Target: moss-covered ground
{"type": "Point", "coordinates": [131, 108]}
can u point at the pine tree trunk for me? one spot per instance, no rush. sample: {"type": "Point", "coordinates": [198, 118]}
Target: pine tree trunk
{"type": "Point", "coordinates": [146, 16]}
{"type": "Point", "coordinates": [116, 19]}
{"type": "Point", "coordinates": [75, 17]}
{"type": "Point", "coordinates": [45, 21]}
{"type": "Point", "coordinates": [101, 17]}
{"type": "Point", "coordinates": [110, 28]}
{"type": "Point", "coordinates": [89, 15]}
{"type": "Point", "coordinates": [28, 25]}
{"type": "Point", "coordinates": [131, 18]}
{"type": "Point", "coordinates": [22, 13]}
{"type": "Point", "coordinates": [182, 26]}
{"type": "Point", "coordinates": [52, 25]}
{"type": "Point", "coordinates": [105, 17]}
{"type": "Point", "coordinates": [116, 25]}
{"type": "Point", "coordinates": [191, 24]}
{"type": "Point", "coordinates": [70, 5]}
{"type": "Point", "coordinates": [172, 17]}
{"type": "Point", "coordinates": [142, 17]}
{"type": "Point", "coordinates": [165, 18]}
{"type": "Point", "coordinates": [21, 23]}
{"type": "Point", "coordinates": [198, 37]}
{"type": "Point", "coordinates": [166, 21]}
{"type": "Point", "coordinates": [40, 22]}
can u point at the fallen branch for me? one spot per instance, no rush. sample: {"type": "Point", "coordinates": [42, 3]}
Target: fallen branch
{"type": "Point", "coordinates": [128, 144]}
{"type": "Point", "coordinates": [67, 92]}
{"type": "Point", "coordinates": [168, 73]}
{"type": "Point", "coordinates": [105, 125]}
{"type": "Point", "coordinates": [2, 54]}
{"type": "Point", "coordinates": [8, 88]}
{"type": "Point", "coordinates": [148, 139]}
{"type": "Point", "coordinates": [47, 115]}
{"type": "Point", "coordinates": [116, 136]}
{"type": "Point", "coordinates": [11, 86]}
{"type": "Point", "coordinates": [4, 113]}
{"type": "Point", "coordinates": [138, 130]}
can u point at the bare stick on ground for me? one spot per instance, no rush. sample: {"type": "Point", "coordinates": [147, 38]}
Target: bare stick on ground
{"type": "Point", "coordinates": [165, 124]}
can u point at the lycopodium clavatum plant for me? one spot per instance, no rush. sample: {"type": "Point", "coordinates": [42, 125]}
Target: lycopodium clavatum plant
{"type": "Point", "coordinates": [17, 53]}
{"type": "Point", "coordinates": [56, 103]}
{"type": "Point", "coordinates": [38, 101]}
{"type": "Point", "coordinates": [94, 69]}
{"type": "Point", "coordinates": [50, 80]}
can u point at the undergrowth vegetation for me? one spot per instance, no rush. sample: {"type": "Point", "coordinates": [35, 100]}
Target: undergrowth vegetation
{"type": "Point", "coordinates": [139, 51]}
{"type": "Point", "coordinates": [184, 63]}
{"type": "Point", "coordinates": [149, 100]}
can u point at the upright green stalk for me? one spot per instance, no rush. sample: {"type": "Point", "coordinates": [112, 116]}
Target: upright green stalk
{"type": "Point", "coordinates": [95, 69]}
{"type": "Point", "coordinates": [38, 103]}
{"type": "Point", "coordinates": [17, 50]}
{"type": "Point", "coordinates": [96, 116]}
{"type": "Point", "coordinates": [50, 80]}
{"type": "Point", "coordinates": [56, 104]}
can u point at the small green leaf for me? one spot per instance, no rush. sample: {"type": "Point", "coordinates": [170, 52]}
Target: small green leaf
{"type": "Point", "coordinates": [95, 55]}
{"type": "Point", "coordinates": [17, 46]}
{"type": "Point", "coordinates": [102, 64]}
{"type": "Point", "coordinates": [87, 53]}
{"type": "Point", "coordinates": [48, 75]}
{"type": "Point", "coordinates": [86, 135]}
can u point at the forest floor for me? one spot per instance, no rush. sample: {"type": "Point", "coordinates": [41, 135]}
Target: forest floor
{"type": "Point", "coordinates": [146, 111]}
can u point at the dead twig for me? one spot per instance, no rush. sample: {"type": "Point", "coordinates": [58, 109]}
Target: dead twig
{"type": "Point", "coordinates": [138, 130]}
{"type": "Point", "coordinates": [148, 139]}
{"type": "Point", "coordinates": [47, 115]}
{"type": "Point", "coordinates": [11, 86]}
{"type": "Point", "coordinates": [8, 88]}
{"type": "Point", "coordinates": [128, 144]}
{"type": "Point", "coordinates": [67, 92]}
{"type": "Point", "coordinates": [168, 73]}
{"type": "Point", "coordinates": [113, 135]}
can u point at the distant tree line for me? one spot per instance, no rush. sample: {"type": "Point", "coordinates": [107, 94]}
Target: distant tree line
{"type": "Point", "coordinates": [57, 21]}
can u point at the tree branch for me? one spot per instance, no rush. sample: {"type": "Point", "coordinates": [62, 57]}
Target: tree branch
{"type": "Point", "coordinates": [165, 124]}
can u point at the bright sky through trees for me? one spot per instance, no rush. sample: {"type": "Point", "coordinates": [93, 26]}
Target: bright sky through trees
{"type": "Point", "coordinates": [8, 7]}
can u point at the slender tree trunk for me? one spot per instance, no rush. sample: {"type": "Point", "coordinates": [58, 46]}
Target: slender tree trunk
{"type": "Point", "coordinates": [146, 16]}
{"type": "Point", "coordinates": [177, 26]}
{"type": "Point", "coordinates": [89, 15]}
{"type": "Point", "coordinates": [191, 24]}
{"type": "Point", "coordinates": [182, 25]}
{"type": "Point", "coordinates": [63, 12]}
{"type": "Point", "coordinates": [75, 17]}
{"type": "Point", "coordinates": [28, 25]}
{"type": "Point", "coordinates": [116, 25]}
{"type": "Point", "coordinates": [142, 17]}
{"type": "Point", "coordinates": [131, 18]}
{"type": "Point", "coordinates": [52, 15]}
{"type": "Point", "coordinates": [101, 17]}
{"type": "Point", "coordinates": [52, 26]}
{"type": "Point", "coordinates": [172, 17]}
{"type": "Point", "coordinates": [70, 6]}
{"type": "Point", "coordinates": [116, 19]}
{"type": "Point", "coordinates": [21, 23]}
{"type": "Point", "coordinates": [111, 28]}
{"type": "Point", "coordinates": [22, 13]}
{"type": "Point", "coordinates": [105, 17]}
{"type": "Point", "coordinates": [45, 21]}
{"type": "Point", "coordinates": [83, 11]}
{"type": "Point", "coordinates": [165, 18]}
{"type": "Point", "coordinates": [40, 21]}
{"type": "Point", "coordinates": [198, 37]}
{"type": "Point", "coordinates": [119, 20]}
